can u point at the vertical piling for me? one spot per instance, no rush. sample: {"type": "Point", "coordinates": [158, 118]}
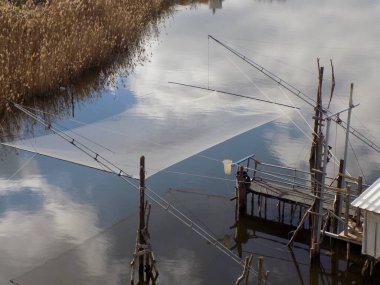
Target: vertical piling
{"type": "Point", "coordinates": [350, 105]}
{"type": "Point", "coordinates": [360, 190]}
{"type": "Point", "coordinates": [347, 211]}
{"type": "Point", "coordinates": [265, 208]}
{"type": "Point", "coordinates": [260, 269]}
{"type": "Point", "coordinates": [142, 214]}
{"type": "Point", "coordinates": [252, 204]}
{"type": "Point", "coordinates": [242, 193]}
{"type": "Point", "coordinates": [337, 199]}
{"type": "Point", "coordinates": [316, 167]}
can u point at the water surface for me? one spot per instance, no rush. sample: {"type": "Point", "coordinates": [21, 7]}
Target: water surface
{"type": "Point", "coordinates": [62, 223]}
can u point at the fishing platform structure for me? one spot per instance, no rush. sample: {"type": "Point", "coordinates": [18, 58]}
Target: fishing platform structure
{"type": "Point", "coordinates": [330, 209]}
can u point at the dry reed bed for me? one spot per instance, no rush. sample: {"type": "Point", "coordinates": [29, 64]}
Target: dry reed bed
{"type": "Point", "coordinates": [47, 46]}
{"type": "Point", "coordinates": [76, 44]}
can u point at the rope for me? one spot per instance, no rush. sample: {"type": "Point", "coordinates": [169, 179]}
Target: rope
{"type": "Point", "coordinates": [262, 92]}
{"type": "Point", "coordinates": [83, 148]}
{"type": "Point", "coordinates": [199, 175]}
{"type": "Point", "coordinates": [357, 160]}
{"type": "Point", "coordinates": [97, 156]}
{"type": "Point", "coordinates": [233, 94]}
{"type": "Point", "coordinates": [299, 94]}
{"type": "Point", "coordinates": [194, 226]}
{"type": "Point", "coordinates": [269, 74]}
{"type": "Point", "coordinates": [152, 169]}
{"type": "Point", "coordinates": [149, 192]}
{"type": "Point", "coordinates": [336, 160]}
{"type": "Point", "coordinates": [22, 166]}
{"type": "Point", "coordinates": [299, 112]}
{"type": "Point", "coordinates": [108, 130]}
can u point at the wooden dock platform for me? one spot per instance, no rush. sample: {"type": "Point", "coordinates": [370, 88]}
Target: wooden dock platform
{"type": "Point", "coordinates": [290, 195]}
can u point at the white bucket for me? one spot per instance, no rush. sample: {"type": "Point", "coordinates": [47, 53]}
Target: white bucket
{"type": "Point", "coordinates": [227, 166]}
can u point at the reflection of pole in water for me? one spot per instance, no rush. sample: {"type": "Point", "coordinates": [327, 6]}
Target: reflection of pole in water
{"type": "Point", "coordinates": [143, 249]}
{"type": "Point", "coordinates": [215, 4]}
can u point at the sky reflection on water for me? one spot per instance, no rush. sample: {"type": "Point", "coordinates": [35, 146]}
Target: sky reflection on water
{"type": "Point", "coordinates": [56, 218]}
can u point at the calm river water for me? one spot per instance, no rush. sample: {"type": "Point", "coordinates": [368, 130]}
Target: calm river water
{"type": "Point", "coordinates": [63, 223]}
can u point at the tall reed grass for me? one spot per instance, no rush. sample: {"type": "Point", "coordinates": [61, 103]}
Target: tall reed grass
{"type": "Point", "coordinates": [76, 44]}
{"type": "Point", "coordinates": [48, 45]}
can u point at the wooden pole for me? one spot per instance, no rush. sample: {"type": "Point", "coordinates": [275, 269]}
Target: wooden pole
{"type": "Point", "coordinates": [337, 200]}
{"type": "Point", "coordinates": [242, 193]}
{"type": "Point", "coordinates": [142, 215]}
{"type": "Point", "coordinates": [323, 180]}
{"type": "Point", "coordinates": [252, 203]}
{"type": "Point", "coordinates": [317, 219]}
{"type": "Point", "coordinates": [360, 190]}
{"type": "Point", "coordinates": [316, 166]}
{"type": "Point", "coordinates": [299, 226]}
{"type": "Point", "coordinates": [259, 202]}
{"type": "Point", "coordinates": [245, 274]}
{"type": "Point", "coordinates": [260, 269]}
{"type": "Point", "coordinates": [291, 213]}
{"type": "Point", "coordinates": [347, 212]}
{"type": "Point", "coordinates": [317, 117]}
{"type": "Point", "coordinates": [348, 252]}
{"type": "Point", "coordinates": [265, 208]}
{"type": "Point", "coordinates": [350, 105]}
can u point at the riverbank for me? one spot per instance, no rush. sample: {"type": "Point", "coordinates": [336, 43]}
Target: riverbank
{"type": "Point", "coordinates": [45, 47]}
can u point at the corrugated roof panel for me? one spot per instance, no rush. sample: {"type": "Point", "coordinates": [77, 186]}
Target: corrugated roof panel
{"type": "Point", "coordinates": [370, 199]}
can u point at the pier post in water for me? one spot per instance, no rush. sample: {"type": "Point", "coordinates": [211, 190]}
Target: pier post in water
{"type": "Point", "coordinates": [142, 213]}
{"type": "Point", "coordinates": [242, 192]}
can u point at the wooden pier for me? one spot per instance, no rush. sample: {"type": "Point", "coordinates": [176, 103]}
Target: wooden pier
{"type": "Point", "coordinates": [292, 187]}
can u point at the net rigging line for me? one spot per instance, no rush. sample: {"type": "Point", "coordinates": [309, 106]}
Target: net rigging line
{"type": "Point", "coordinates": [104, 129]}
{"type": "Point", "coordinates": [299, 94]}
{"type": "Point", "coordinates": [148, 168]}
{"type": "Point", "coordinates": [336, 161]}
{"type": "Point", "coordinates": [287, 180]}
{"type": "Point", "coordinates": [233, 94]}
{"type": "Point", "coordinates": [70, 130]}
{"type": "Point", "coordinates": [22, 166]}
{"type": "Point", "coordinates": [358, 162]}
{"type": "Point", "coordinates": [288, 117]}
{"type": "Point", "coordinates": [166, 171]}
{"type": "Point", "coordinates": [262, 92]}
{"type": "Point", "coordinates": [77, 144]}
{"type": "Point", "coordinates": [167, 206]}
